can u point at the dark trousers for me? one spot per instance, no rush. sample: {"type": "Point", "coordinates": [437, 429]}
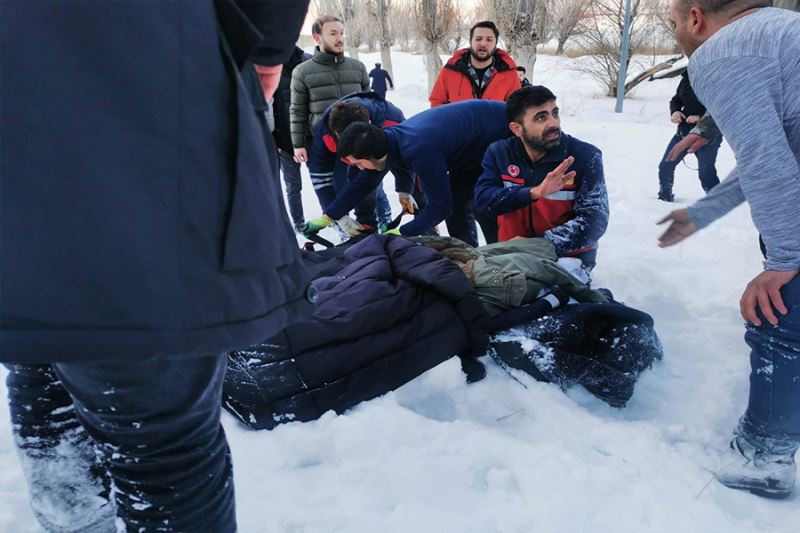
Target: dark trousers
{"type": "Point", "coordinates": [294, 186]}
{"type": "Point", "coordinates": [706, 164]}
{"type": "Point", "coordinates": [461, 222]}
{"type": "Point", "coordinates": [772, 420]}
{"type": "Point", "coordinates": [151, 428]}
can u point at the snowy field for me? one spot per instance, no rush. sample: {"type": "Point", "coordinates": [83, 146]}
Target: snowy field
{"type": "Point", "coordinates": [438, 456]}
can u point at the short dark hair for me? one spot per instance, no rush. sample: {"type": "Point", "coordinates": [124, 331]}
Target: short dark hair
{"type": "Point", "coordinates": [320, 22]}
{"type": "Point", "coordinates": [522, 99]}
{"type": "Point", "coordinates": [717, 7]}
{"type": "Point", "coordinates": [377, 65]}
{"type": "Point", "coordinates": [362, 141]}
{"type": "Point", "coordinates": [485, 24]}
{"type": "Point", "coordinates": [345, 113]}
{"type": "Point", "coordinates": [521, 69]}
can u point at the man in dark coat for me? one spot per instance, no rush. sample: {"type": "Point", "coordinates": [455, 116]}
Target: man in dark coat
{"type": "Point", "coordinates": [379, 78]}
{"type": "Point", "coordinates": [143, 237]}
{"type": "Point", "coordinates": [443, 146]}
{"type": "Point", "coordinates": [289, 167]}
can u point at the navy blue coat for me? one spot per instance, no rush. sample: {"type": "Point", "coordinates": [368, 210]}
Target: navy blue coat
{"type": "Point", "coordinates": [141, 215]}
{"type": "Point", "coordinates": [429, 145]}
{"type": "Point", "coordinates": [392, 309]}
{"type": "Point", "coordinates": [379, 79]}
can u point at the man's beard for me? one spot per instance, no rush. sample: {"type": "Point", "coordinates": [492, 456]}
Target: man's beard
{"type": "Point", "coordinates": [542, 144]}
{"type": "Point", "coordinates": [484, 55]}
{"type": "Point", "coordinates": [331, 51]}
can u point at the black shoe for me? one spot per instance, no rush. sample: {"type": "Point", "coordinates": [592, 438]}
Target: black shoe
{"type": "Point", "coordinates": [665, 196]}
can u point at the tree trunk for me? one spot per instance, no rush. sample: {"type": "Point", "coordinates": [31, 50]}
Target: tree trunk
{"type": "Point", "coordinates": [561, 43]}
{"type": "Point", "coordinates": [386, 61]}
{"type": "Point", "coordinates": [526, 56]}
{"type": "Point", "coordinates": [433, 63]}
{"type": "Point", "coordinates": [353, 51]}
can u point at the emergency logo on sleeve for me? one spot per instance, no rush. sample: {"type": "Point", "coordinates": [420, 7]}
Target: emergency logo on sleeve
{"type": "Point", "coordinates": [513, 171]}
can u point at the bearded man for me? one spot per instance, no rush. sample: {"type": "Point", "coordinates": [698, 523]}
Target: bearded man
{"type": "Point", "coordinates": [542, 182]}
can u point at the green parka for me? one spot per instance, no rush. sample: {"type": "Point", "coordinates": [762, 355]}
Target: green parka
{"type": "Point", "coordinates": [318, 83]}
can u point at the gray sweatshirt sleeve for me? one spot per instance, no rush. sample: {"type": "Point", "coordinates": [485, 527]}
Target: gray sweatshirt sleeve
{"type": "Point", "coordinates": [767, 171]}
{"type": "Point", "coordinates": [719, 202]}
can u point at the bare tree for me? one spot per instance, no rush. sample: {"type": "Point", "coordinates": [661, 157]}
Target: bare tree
{"type": "Point", "coordinates": [379, 11]}
{"type": "Point", "coordinates": [459, 31]}
{"type": "Point", "coordinates": [434, 22]}
{"type": "Point", "coordinates": [602, 40]}
{"type": "Point", "coordinates": [566, 17]}
{"type": "Point", "coordinates": [403, 27]}
{"type": "Point", "coordinates": [522, 24]}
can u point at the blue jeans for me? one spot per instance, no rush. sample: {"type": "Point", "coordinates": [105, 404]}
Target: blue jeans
{"type": "Point", "coordinates": [150, 427]}
{"type": "Point", "coordinates": [294, 186]}
{"type": "Point", "coordinates": [706, 165]}
{"type": "Point", "coordinates": [772, 420]}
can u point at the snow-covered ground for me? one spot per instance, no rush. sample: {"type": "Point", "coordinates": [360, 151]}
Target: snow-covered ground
{"type": "Point", "coordinates": [438, 456]}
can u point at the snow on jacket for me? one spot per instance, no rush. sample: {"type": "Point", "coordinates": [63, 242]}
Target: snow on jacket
{"type": "Point", "coordinates": [573, 219]}
{"type": "Point", "coordinates": [324, 165]}
{"type": "Point", "coordinates": [147, 218]}
{"type": "Point", "coordinates": [428, 145]}
{"type": "Point", "coordinates": [455, 84]}
{"type": "Point", "coordinates": [393, 310]}
{"type": "Point", "coordinates": [318, 83]}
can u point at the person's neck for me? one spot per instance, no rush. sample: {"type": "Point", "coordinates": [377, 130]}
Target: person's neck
{"type": "Point", "coordinates": [533, 154]}
{"type": "Point", "coordinates": [716, 24]}
{"type": "Point", "coordinates": [478, 64]}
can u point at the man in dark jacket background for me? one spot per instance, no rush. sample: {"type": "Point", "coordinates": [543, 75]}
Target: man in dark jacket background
{"type": "Point", "coordinates": [544, 183]}
{"type": "Point", "coordinates": [686, 111]}
{"type": "Point", "coordinates": [283, 139]}
{"type": "Point", "coordinates": [143, 238]}
{"type": "Point", "coordinates": [379, 78]}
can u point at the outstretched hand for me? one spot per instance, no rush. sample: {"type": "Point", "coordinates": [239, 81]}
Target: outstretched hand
{"type": "Point", "coordinates": [765, 291]}
{"type": "Point", "coordinates": [680, 227]}
{"type": "Point", "coordinates": [555, 180]}
{"type": "Point", "coordinates": [691, 143]}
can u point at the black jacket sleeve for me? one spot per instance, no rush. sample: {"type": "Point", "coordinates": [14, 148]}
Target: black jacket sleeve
{"type": "Point", "coordinates": [264, 31]}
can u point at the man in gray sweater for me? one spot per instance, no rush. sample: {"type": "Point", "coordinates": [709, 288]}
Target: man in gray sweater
{"type": "Point", "coordinates": [734, 44]}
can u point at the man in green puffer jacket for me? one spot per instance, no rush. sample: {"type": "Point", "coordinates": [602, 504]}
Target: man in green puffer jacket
{"type": "Point", "coordinates": [318, 83]}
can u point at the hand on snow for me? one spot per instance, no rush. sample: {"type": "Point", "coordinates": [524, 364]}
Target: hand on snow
{"type": "Point", "coordinates": [691, 143]}
{"type": "Point", "coordinates": [350, 226]}
{"type": "Point", "coordinates": [314, 226]}
{"type": "Point", "coordinates": [407, 202]}
{"type": "Point", "coordinates": [765, 291]}
{"type": "Point", "coordinates": [677, 117]}
{"type": "Point", "coordinates": [555, 180]}
{"type": "Point", "coordinates": [680, 227]}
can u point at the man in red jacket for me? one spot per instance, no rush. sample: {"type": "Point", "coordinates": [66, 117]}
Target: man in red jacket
{"type": "Point", "coordinates": [482, 71]}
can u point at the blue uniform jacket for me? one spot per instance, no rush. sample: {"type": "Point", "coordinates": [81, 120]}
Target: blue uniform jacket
{"type": "Point", "coordinates": [323, 163]}
{"type": "Point", "coordinates": [573, 219]}
{"type": "Point", "coordinates": [429, 144]}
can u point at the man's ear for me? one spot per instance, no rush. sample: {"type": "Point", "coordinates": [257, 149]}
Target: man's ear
{"type": "Point", "coordinates": [696, 20]}
{"type": "Point", "coordinates": [317, 38]}
{"type": "Point", "coordinates": [516, 128]}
